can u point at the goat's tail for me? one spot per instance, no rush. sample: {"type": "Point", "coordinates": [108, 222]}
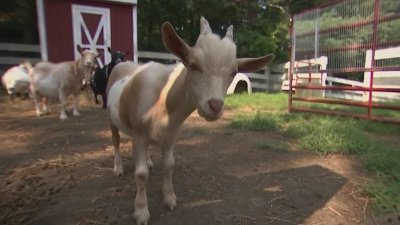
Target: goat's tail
{"type": "Point", "coordinates": [29, 69]}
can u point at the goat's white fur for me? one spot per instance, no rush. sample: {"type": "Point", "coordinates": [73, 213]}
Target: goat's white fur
{"type": "Point", "coordinates": [16, 80]}
{"type": "Point", "coordinates": [150, 102]}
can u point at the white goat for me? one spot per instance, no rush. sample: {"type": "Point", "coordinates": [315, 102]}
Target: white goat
{"type": "Point", "coordinates": [16, 80]}
{"type": "Point", "coordinates": [60, 80]}
{"type": "Point", "coordinates": [150, 102]}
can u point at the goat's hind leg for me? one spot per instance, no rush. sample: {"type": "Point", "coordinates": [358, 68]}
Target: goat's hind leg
{"type": "Point", "coordinates": [63, 101]}
{"type": "Point", "coordinates": [118, 168]}
{"type": "Point", "coordinates": [37, 101]}
{"type": "Point", "coordinates": [104, 97]}
{"type": "Point", "coordinates": [45, 109]}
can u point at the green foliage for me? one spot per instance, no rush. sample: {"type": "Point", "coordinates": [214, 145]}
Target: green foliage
{"type": "Point", "coordinates": [18, 21]}
{"type": "Point", "coordinates": [330, 135]}
{"type": "Point", "coordinates": [261, 27]}
{"type": "Point", "coordinates": [383, 161]}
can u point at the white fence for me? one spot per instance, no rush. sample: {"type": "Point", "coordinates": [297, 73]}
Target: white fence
{"type": "Point", "coordinates": [268, 80]}
{"type": "Point", "coordinates": [12, 54]}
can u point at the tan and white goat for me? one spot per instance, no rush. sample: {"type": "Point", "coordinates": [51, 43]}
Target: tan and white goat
{"type": "Point", "coordinates": [60, 80]}
{"type": "Point", "coordinates": [150, 102]}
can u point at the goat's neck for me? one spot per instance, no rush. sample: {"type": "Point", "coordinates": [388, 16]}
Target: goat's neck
{"type": "Point", "coordinates": [80, 70]}
{"type": "Point", "coordinates": [176, 96]}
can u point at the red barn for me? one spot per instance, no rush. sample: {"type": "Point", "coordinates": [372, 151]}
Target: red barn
{"type": "Point", "coordinates": [95, 24]}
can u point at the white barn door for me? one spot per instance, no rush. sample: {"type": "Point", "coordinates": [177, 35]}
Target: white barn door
{"type": "Point", "coordinates": [91, 30]}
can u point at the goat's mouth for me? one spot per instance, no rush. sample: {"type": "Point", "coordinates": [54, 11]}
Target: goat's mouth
{"type": "Point", "coordinates": [118, 61]}
{"type": "Point", "coordinates": [210, 115]}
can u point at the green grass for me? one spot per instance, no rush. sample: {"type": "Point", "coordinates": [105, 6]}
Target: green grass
{"type": "Point", "coordinates": [257, 101]}
{"type": "Point", "coordinates": [328, 135]}
{"type": "Point", "coordinates": [257, 122]}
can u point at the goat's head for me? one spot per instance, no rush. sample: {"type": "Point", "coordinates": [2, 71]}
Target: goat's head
{"type": "Point", "coordinates": [117, 56]}
{"type": "Point", "coordinates": [211, 65]}
{"type": "Point", "coordinates": [88, 61]}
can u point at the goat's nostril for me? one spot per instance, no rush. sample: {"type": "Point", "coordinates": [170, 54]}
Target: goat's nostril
{"type": "Point", "coordinates": [215, 105]}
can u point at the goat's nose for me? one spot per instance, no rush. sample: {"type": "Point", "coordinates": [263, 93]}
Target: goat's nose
{"type": "Point", "coordinates": [216, 105]}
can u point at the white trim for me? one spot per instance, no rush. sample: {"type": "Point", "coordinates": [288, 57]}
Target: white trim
{"type": "Point", "coordinates": [104, 24]}
{"type": "Point", "coordinates": [135, 43]}
{"type": "Point", "coordinates": [42, 29]}
{"type": "Point", "coordinates": [132, 2]}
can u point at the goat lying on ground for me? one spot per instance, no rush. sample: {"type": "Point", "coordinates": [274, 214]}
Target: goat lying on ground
{"type": "Point", "coordinates": [60, 80]}
{"type": "Point", "coordinates": [100, 78]}
{"type": "Point", "coordinates": [16, 81]}
{"type": "Point", "coordinates": [150, 102]}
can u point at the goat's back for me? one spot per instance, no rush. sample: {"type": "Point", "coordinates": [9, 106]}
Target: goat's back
{"type": "Point", "coordinates": [134, 89]}
{"type": "Point", "coordinates": [49, 77]}
{"type": "Point", "coordinates": [16, 78]}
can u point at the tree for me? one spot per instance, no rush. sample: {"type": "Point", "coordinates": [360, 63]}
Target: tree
{"type": "Point", "coordinates": [261, 26]}
{"type": "Point", "coordinates": [18, 21]}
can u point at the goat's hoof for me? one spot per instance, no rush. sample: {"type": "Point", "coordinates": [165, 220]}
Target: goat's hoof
{"type": "Point", "coordinates": [150, 163]}
{"type": "Point", "coordinates": [118, 170]}
{"type": "Point", "coordinates": [170, 202]}
{"type": "Point", "coordinates": [76, 114]}
{"type": "Point", "coordinates": [142, 216]}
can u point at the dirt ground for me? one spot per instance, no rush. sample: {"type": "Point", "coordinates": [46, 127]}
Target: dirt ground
{"type": "Point", "coordinates": [60, 173]}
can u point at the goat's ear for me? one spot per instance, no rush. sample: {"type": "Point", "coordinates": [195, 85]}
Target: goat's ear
{"type": "Point", "coordinates": [229, 33]}
{"type": "Point", "coordinates": [100, 54]}
{"type": "Point", "coordinates": [173, 43]}
{"type": "Point", "coordinates": [109, 50]}
{"type": "Point", "coordinates": [246, 65]}
{"type": "Point", "coordinates": [79, 48]}
{"type": "Point", "coordinates": [204, 26]}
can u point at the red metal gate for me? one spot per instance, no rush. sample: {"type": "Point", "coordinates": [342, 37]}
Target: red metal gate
{"type": "Point", "coordinates": [345, 60]}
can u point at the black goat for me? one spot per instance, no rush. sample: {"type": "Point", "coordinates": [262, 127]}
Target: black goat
{"type": "Point", "coordinates": [100, 77]}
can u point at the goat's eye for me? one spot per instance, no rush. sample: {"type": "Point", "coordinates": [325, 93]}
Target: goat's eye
{"type": "Point", "coordinates": [234, 73]}
{"type": "Point", "coordinates": [194, 67]}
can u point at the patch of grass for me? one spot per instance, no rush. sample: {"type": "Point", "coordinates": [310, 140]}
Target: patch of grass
{"type": "Point", "coordinates": [258, 101]}
{"type": "Point", "coordinates": [326, 135]}
{"type": "Point", "coordinates": [330, 135]}
{"type": "Point", "coordinates": [257, 122]}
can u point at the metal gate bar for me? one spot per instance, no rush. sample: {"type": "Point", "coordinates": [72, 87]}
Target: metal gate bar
{"type": "Point", "coordinates": [362, 26]}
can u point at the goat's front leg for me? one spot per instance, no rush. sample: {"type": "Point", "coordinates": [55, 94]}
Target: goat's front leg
{"type": "Point", "coordinates": [118, 168]}
{"type": "Point", "coordinates": [139, 147]}
{"type": "Point", "coordinates": [169, 164]}
{"type": "Point", "coordinates": [76, 101]}
{"type": "Point", "coordinates": [63, 101]}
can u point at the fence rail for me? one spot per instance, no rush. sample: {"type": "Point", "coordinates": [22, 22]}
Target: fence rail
{"type": "Point", "coordinates": [12, 54]}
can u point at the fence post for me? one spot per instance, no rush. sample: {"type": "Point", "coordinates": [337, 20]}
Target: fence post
{"type": "Point", "coordinates": [374, 46]}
